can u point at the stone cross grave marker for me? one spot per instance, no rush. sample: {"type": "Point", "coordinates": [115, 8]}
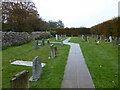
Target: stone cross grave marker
{"type": "Point", "coordinates": [20, 80]}
{"type": "Point", "coordinates": [36, 69]}
{"type": "Point", "coordinates": [52, 51]}
{"type": "Point", "coordinates": [36, 44]}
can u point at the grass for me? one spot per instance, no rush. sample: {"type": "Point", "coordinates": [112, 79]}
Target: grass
{"type": "Point", "coordinates": [102, 61]}
{"type": "Point", "coordinates": [52, 73]}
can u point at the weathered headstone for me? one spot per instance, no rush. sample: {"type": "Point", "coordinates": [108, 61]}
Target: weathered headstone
{"type": "Point", "coordinates": [43, 42]}
{"type": "Point", "coordinates": [52, 51]}
{"type": "Point", "coordinates": [56, 37]}
{"type": "Point", "coordinates": [36, 69]}
{"type": "Point", "coordinates": [20, 80]}
{"type": "Point", "coordinates": [117, 41]}
{"type": "Point", "coordinates": [110, 38]}
{"type": "Point", "coordinates": [87, 38]}
{"type": "Point", "coordinates": [82, 37]}
{"type": "Point", "coordinates": [36, 44]}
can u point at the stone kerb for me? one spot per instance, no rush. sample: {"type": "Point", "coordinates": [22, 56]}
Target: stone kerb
{"type": "Point", "coordinates": [20, 80]}
{"type": "Point", "coordinates": [36, 69]}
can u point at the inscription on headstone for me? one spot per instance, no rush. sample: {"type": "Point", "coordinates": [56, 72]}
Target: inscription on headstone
{"type": "Point", "coordinates": [36, 69]}
{"type": "Point", "coordinates": [20, 80]}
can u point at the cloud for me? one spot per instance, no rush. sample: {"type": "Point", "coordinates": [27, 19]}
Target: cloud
{"type": "Point", "coordinates": [76, 13]}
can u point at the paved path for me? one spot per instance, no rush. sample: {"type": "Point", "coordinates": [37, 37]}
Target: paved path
{"type": "Point", "coordinates": [76, 74]}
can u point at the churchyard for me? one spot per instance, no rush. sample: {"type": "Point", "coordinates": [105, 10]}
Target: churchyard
{"type": "Point", "coordinates": [52, 72]}
{"type": "Point", "coordinates": [101, 60]}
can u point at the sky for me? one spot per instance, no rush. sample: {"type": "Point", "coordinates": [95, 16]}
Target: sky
{"type": "Point", "coordinates": [77, 13]}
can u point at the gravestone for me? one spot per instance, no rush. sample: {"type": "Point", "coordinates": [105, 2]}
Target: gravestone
{"type": "Point", "coordinates": [100, 37]}
{"type": "Point", "coordinates": [36, 44]}
{"type": "Point", "coordinates": [20, 80]}
{"type": "Point", "coordinates": [36, 69]}
{"type": "Point", "coordinates": [82, 37]}
{"type": "Point", "coordinates": [43, 42]}
{"type": "Point", "coordinates": [52, 51]}
{"type": "Point", "coordinates": [87, 38]}
{"type": "Point", "coordinates": [110, 38]}
{"type": "Point", "coordinates": [117, 41]}
{"type": "Point", "coordinates": [56, 37]}
{"type": "Point", "coordinates": [48, 41]}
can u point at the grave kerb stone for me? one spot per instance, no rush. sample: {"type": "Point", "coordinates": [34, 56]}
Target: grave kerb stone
{"type": "Point", "coordinates": [20, 80]}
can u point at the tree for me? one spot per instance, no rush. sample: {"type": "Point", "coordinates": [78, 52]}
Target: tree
{"type": "Point", "coordinates": [54, 24]}
{"type": "Point", "coordinates": [21, 16]}
{"type": "Point", "coordinates": [60, 24]}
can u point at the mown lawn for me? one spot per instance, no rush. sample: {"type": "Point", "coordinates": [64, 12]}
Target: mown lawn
{"type": "Point", "coordinates": [102, 61]}
{"type": "Point", "coordinates": [53, 72]}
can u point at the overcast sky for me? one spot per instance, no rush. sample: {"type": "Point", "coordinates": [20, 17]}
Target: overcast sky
{"type": "Point", "coordinates": [77, 13]}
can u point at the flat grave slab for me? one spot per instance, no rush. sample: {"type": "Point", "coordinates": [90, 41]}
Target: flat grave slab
{"type": "Point", "coordinates": [25, 63]}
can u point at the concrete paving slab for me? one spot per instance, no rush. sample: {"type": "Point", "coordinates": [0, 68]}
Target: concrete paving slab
{"type": "Point", "coordinates": [25, 63]}
{"type": "Point", "coordinates": [76, 74]}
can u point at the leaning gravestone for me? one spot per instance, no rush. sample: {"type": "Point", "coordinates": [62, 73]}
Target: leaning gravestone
{"type": "Point", "coordinates": [52, 51]}
{"type": "Point", "coordinates": [36, 69]}
{"type": "Point", "coordinates": [36, 44]}
{"type": "Point", "coordinates": [20, 80]}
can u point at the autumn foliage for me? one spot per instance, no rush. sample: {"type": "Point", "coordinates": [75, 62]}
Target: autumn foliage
{"type": "Point", "coordinates": [107, 28]}
{"type": "Point", "coordinates": [22, 17]}
{"type": "Point", "coordinates": [72, 31]}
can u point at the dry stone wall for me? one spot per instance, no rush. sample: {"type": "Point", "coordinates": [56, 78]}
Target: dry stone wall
{"type": "Point", "coordinates": [18, 38]}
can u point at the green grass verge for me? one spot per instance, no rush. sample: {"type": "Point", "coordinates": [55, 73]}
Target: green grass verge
{"type": "Point", "coordinates": [102, 61]}
{"type": "Point", "coordinates": [53, 72]}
